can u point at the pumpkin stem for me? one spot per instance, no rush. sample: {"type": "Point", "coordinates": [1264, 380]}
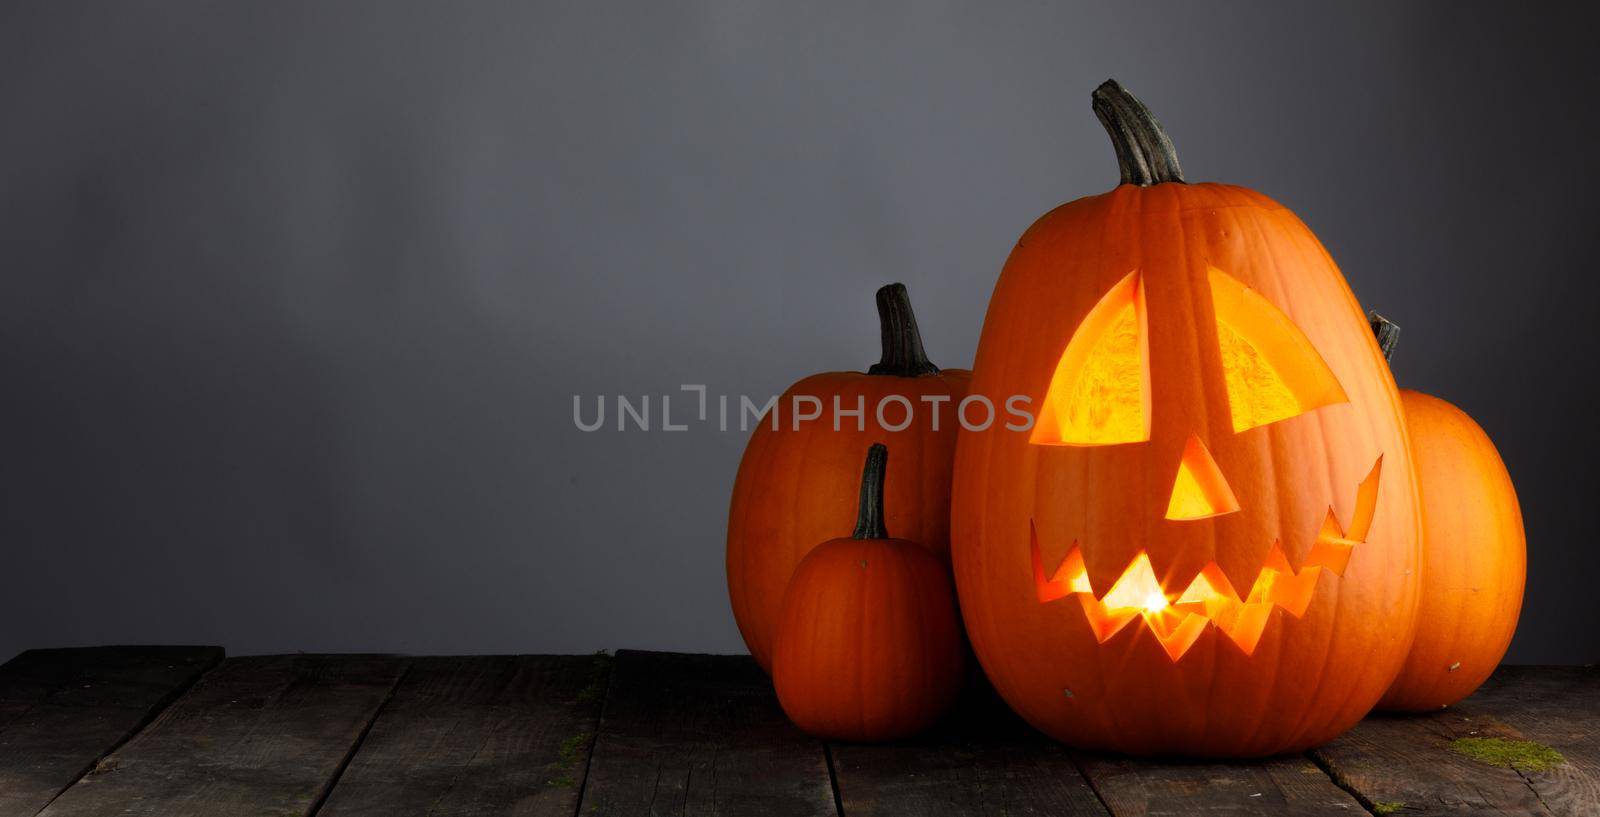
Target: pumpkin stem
{"type": "Point", "coordinates": [903, 355]}
{"type": "Point", "coordinates": [869, 513]}
{"type": "Point", "coordinates": [1387, 331]}
{"type": "Point", "coordinates": [1144, 153]}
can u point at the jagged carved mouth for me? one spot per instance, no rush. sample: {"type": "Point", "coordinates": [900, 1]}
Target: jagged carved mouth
{"type": "Point", "coordinates": [1209, 600]}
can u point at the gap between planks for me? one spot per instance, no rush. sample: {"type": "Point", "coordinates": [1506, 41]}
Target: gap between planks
{"type": "Point", "coordinates": [85, 675]}
{"type": "Point", "coordinates": [860, 777]}
{"type": "Point", "coordinates": [349, 755]}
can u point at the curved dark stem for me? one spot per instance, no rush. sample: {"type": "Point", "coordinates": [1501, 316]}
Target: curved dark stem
{"type": "Point", "coordinates": [903, 355]}
{"type": "Point", "coordinates": [1144, 153]}
{"type": "Point", "coordinates": [869, 512]}
{"type": "Point", "coordinates": [1387, 332]}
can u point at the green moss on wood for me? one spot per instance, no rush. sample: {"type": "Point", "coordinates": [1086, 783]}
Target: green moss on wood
{"type": "Point", "coordinates": [571, 746]}
{"type": "Point", "coordinates": [599, 675]}
{"type": "Point", "coordinates": [1522, 755]}
{"type": "Point", "coordinates": [1387, 807]}
{"type": "Point", "coordinates": [567, 756]}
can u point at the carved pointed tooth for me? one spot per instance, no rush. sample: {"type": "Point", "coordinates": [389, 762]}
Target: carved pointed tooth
{"type": "Point", "coordinates": [1207, 584]}
{"type": "Point", "coordinates": [1044, 587]}
{"type": "Point", "coordinates": [1331, 549]}
{"type": "Point", "coordinates": [1249, 625]}
{"type": "Point", "coordinates": [1331, 529]}
{"type": "Point", "coordinates": [1176, 574]}
{"type": "Point", "coordinates": [1138, 588]}
{"type": "Point", "coordinates": [1068, 577]}
{"type": "Point", "coordinates": [1241, 567]}
{"type": "Point", "coordinates": [1106, 562]}
{"type": "Point", "coordinates": [1165, 622]}
{"type": "Point", "coordinates": [1293, 592]}
{"type": "Point", "coordinates": [1181, 637]}
{"type": "Point", "coordinates": [1333, 554]}
{"type": "Point", "coordinates": [1105, 622]}
{"type": "Point", "coordinates": [1366, 503]}
{"type": "Point", "coordinates": [1276, 564]}
{"type": "Point", "coordinates": [1071, 572]}
{"type": "Point", "coordinates": [1277, 559]}
{"type": "Point", "coordinates": [1210, 593]}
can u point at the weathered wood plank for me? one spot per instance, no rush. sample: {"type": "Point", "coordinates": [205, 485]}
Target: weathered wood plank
{"type": "Point", "coordinates": [63, 710]}
{"type": "Point", "coordinates": [1559, 707]}
{"type": "Point", "coordinates": [1407, 764]}
{"type": "Point", "coordinates": [482, 735]}
{"type": "Point", "coordinates": [260, 736]}
{"type": "Point", "coordinates": [700, 735]}
{"type": "Point", "coordinates": [982, 760]}
{"type": "Point", "coordinates": [1277, 787]}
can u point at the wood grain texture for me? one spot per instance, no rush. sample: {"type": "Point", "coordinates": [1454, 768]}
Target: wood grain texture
{"type": "Point", "coordinates": [260, 736]}
{"type": "Point", "coordinates": [982, 760]}
{"type": "Point", "coordinates": [1406, 761]}
{"type": "Point", "coordinates": [700, 735]}
{"type": "Point", "coordinates": [289, 736]}
{"type": "Point", "coordinates": [63, 710]}
{"type": "Point", "coordinates": [1289, 786]}
{"type": "Point", "coordinates": [482, 735]}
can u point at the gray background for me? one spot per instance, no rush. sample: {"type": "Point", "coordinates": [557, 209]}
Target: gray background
{"type": "Point", "coordinates": [294, 297]}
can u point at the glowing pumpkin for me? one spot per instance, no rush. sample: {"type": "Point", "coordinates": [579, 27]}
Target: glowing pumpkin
{"type": "Point", "coordinates": [1207, 542]}
{"type": "Point", "coordinates": [797, 481]}
{"type": "Point", "coordinates": [869, 644]}
{"type": "Point", "coordinates": [1475, 557]}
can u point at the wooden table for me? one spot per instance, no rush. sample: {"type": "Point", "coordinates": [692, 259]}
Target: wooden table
{"type": "Point", "coordinates": [177, 731]}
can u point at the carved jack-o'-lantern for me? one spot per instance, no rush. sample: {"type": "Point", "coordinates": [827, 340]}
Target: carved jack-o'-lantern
{"type": "Point", "coordinates": [1207, 542]}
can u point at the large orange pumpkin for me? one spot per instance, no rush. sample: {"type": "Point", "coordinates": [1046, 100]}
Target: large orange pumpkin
{"type": "Point", "coordinates": [1206, 544]}
{"type": "Point", "coordinates": [869, 643]}
{"type": "Point", "coordinates": [1475, 558]}
{"type": "Point", "coordinates": [797, 482]}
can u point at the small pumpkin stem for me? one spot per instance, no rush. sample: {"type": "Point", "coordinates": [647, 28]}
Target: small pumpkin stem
{"type": "Point", "coordinates": [869, 512]}
{"type": "Point", "coordinates": [1387, 332]}
{"type": "Point", "coordinates": [1144, 153]}
{"type": "Point", "coordinates": [903, 355]}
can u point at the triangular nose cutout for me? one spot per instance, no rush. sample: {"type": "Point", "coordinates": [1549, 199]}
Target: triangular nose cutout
{"type": "Point", "coordinates": [1200, 491]}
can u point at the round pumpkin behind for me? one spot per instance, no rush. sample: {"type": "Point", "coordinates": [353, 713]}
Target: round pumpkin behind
{"type": "Point", "coordinates": [1475, 558]}
{"type": "Point", "coordinates": [797, 487]}
{"type": "Point", "coordinates": [869, 643]}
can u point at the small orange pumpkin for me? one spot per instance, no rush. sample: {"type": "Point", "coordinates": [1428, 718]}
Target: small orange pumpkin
{"type": "Point", "coordinates": [797, 485]}
{"type": "Point", "coordinates": [1475, 557]}
{"type": "Point", "coordinates": [869, 643]}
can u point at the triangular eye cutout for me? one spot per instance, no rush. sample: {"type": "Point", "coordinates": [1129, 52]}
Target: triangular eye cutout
{"type": "Point", "coordinates": [1100, 393]}
{"type": "Point", "coordinates": [1272, 370]}
{"type": "Point", "coordinates": [1200, 491]}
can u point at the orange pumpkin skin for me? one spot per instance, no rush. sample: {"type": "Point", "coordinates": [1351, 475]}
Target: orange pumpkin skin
{"type": "Point", "coordinates": [1308, 677]}
{"type": "Point", "coordinates": [797, 488]}
{"type": "Point", "coordinates": [1475, 558]}
{"type": "Point", "coordinates": [869, 645]}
